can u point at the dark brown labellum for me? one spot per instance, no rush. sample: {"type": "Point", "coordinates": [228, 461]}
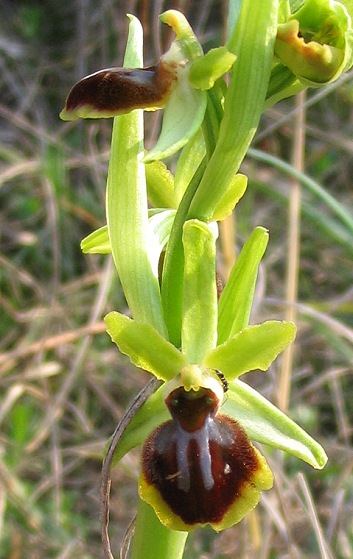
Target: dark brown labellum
{"type": "Point", "coordinates": [115, 91]}
{"type": "Point", "coordinates": [199, 461]}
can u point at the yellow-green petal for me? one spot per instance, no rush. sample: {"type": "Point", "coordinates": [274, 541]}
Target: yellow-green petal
{"type": "Point", "coordinates": [254, 347]}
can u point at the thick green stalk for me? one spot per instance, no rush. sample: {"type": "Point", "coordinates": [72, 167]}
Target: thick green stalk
{"type": "Point", "coordinates": [152, 540]}
{"type": "Point", "coordinates": [252, 42]}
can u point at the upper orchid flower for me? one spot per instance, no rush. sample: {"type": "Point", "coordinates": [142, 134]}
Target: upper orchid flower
{"type": "Point", "coordinates": [316, 42]}
{"type": "Point", "coordinates": [115, 91]}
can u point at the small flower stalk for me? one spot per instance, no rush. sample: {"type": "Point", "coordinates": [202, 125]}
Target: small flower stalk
{"type": "Point", "coordinates": [199, 465]}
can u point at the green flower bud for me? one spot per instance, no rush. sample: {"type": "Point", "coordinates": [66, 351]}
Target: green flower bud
{"type": "Point", "coordinates": [316, 42]}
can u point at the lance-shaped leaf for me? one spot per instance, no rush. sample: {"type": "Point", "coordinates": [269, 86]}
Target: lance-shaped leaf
{"type": "Point", "coordinates": [199, 322]}
{"type": "Point", "coordinates": [255, 347]}
{"type": "Point", "coordinates": [265, 423]}
{"type": "Point", "coordinates": [145, 347]}
{"type": "Point", "coordinates": [252, 42]}
{"type": "Point", "coordinates": [127, 208]}
{"type": "Point", "coordinates": [237, 296]}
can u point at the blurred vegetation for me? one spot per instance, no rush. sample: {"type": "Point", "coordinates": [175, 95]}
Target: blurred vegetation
{"type": "Point", "coordinates": [63, 386]}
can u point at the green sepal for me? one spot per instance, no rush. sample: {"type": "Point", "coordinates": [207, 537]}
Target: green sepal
{"type": "Point", "coordinates": [183, 116]}
{"type": "Point", "coordinates": [283, 83]}
{"type": "Point", "coordinates": [237, 296]}
{"type": "Point", "coordinates": [265, 423]}
{"type": "Point", "coordinates": [97, 242]}
{"type": "Point", "coordinates": [199, 320]}
{"type": "Point", "coordinates": [186, 106]}
{"type": "Point", "coordinates": [145, 347]}
{"type": "Point", "coordinates": [205, 70]}
{"type": "Point", "coordinates": [254, 347]}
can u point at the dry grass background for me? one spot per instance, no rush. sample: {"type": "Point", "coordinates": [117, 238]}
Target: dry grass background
{"type": "Point", "coordinates": [63, 386]}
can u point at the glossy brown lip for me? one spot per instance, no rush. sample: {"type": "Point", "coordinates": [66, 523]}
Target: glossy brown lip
{"type": "Point", "coordinates": [199, 462]}
{"type": "Point", "coordinates": [120, 90]}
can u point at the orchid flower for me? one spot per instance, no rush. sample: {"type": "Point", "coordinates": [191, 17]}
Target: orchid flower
{"type": "Point", "coordinates": [198, 463]}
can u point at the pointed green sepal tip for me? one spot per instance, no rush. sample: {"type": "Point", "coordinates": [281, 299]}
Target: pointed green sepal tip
{"type": "Point", "coordinates": [145, 347]}
{"type": "Point", "coordinates": [266, 424]}
{"type": "Point", "coordinates": [185, 36]}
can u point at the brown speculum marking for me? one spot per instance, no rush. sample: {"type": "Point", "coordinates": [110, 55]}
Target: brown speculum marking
{"type": "Point", "coordinates": [200, 460]}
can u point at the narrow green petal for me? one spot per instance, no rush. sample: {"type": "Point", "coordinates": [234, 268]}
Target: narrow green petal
{"type": "Point", "coordinates": [145, 346]}
{"type": "Point", "coordinates": [255, 347]}
{"type": "Point", "coordinates": [266, 424]}
{"type": "Point", "coordinates": [237, 296]}
{"type": "Point", "coordinates": [127, 217]}
{"type": "Point", "coordinates": [199, 321]}
{"type": "Point", "coordinates": [97, 242]}
{"type": "Point", "coordinates": [205, 70]}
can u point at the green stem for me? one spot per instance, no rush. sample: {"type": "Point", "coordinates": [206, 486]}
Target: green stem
{"type": "Point", "coordinates": [152, 540]}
